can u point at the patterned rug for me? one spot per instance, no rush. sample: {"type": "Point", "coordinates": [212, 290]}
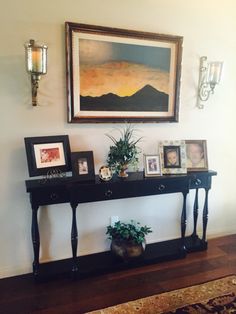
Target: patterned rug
{"type": "Point", "coordinates": [218, 296]}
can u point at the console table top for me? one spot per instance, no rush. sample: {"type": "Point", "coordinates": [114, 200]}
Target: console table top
{"type": "Point", "coordinates": [138, 176]}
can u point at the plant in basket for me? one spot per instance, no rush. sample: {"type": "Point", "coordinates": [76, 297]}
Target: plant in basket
{"type": "Point", "coordinates": [128, 239]}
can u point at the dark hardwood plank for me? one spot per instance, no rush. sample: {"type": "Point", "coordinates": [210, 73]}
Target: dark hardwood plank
{"type": "Point", "coordinates": [62, 295]}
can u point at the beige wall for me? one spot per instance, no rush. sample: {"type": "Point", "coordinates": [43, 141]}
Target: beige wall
{"type": "Point", "coordinates": [208, 28]}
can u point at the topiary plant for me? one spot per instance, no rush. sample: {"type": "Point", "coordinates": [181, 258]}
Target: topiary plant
{"type": "Point", "coordinates": [124, 152]}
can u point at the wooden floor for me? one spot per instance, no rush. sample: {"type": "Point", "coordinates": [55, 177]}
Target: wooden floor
{"type": "Point", "coordinates": [22, 295]}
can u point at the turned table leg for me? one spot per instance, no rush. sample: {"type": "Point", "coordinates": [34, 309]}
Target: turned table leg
{"type": "Point", "coordinates": [74, 238]}
{"type": "Point", "coordinates": [205, 216]}
{"type": "Point", "coordinates": [195, 214]}
{"type": "Point", "coordinates": [35, 239]}
{"type": "Point", "coordinates": [183, 222]}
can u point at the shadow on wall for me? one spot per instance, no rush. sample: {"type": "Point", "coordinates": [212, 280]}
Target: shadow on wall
{"type": "Point", "coordinates": [45, 233]}
{"type": "Point", "coordinates": [15, 83]}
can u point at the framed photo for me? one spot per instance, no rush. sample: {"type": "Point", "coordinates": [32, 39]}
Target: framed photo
{"type": "Point", "coordinates": [47, 153]}
{"type": "Point", "coordinates": [196, 155]}
{"type": "Point", "coordinates": [117, 75]}
{"type": "Point", "coordinates": [152, 165]}
{"type": "Point", "coordinates": [83, 165]}
{"type": "Point", "coordinates": [105, 173]}
{"type": "Point", "coordinates": [173, 157]}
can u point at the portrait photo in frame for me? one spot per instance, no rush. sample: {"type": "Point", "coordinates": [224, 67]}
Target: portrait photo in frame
{"type": "Point", "coordinates": [135, 77]}
{"type": "Point", "coordinates": [83, 166]}
{"type": "Point", "coordinates": [196, 151]}
{"type": "Point", "coordinates": [47, 153]}
{"type": "Point", "coordinates": [152, 165]}
{"type": "Point", "coordinates": [173, 157]}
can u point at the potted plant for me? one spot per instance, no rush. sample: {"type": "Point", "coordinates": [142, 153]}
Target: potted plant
{"type": "Point", "coordinates": [124, 152]}
{"type": "Point", "coordinates": [128, 239]}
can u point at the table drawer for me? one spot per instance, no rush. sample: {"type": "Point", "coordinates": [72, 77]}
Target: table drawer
{"type": "Point", "coordinates": [200, 181]}
{"type": "Point", "coordinates": [101, 192]}
{"type": "Point", "coordinates": [163, 186]}
{"type": "Point", "coordinates": [50, 196]}
{"type": "Point", "coordinates": [117, 190]}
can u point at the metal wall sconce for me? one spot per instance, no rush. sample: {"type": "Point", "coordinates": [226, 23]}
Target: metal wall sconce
{"type": "Point", "coordinates": [209, 76]}
{"type": "Point", "coordinates": [36, 64]}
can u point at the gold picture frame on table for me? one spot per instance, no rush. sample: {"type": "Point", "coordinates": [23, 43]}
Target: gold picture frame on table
{"type": "Point", "coordinates": [196, 151]}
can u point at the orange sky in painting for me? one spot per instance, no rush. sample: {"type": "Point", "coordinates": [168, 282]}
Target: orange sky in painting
{"type": "Point", "coordinates": [120, 78]}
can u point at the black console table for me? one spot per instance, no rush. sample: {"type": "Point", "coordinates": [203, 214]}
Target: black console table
{"type": "Point", "coordinates": [68, 190]}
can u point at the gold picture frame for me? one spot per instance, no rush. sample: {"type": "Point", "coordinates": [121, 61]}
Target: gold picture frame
{"type": "Point", "coordinates": [197, 159]}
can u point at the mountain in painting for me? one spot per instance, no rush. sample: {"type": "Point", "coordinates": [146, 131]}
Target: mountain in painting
{"type": "Point", "coordinates": [146, 99]}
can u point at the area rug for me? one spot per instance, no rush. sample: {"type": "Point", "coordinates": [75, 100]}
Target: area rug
{"type": "Point", "coordinates": [218, 296]}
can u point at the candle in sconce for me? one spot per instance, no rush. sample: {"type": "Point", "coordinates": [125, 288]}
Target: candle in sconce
{"type": "Point", "coordinates": [37, 64]}
{"type": "Point", "coordinates": [214, 72]}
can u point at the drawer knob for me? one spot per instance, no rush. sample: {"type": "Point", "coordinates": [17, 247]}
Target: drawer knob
{"type": "Point", "coordinates": [198, 182]}
{"type": "Point", "coordinates": [161, 187]}
{"type": "Point", "coordinates": [108, 193]}
{"type": "Point", "coordinates": [54, 196]}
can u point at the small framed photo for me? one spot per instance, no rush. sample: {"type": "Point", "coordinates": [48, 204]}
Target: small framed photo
{"type": "Point", "coordinates": [105, 173]}
{"type": "Point", "coordinates": [83, 165]}
{"type": "Point", "coordinates": [173, 157]}
{"type": "Point", "coordinates": [196, 155]}
{"type": "Point", "coordinates": [47, 153]}
{"type": "Point", "coordinates": [152, 165]}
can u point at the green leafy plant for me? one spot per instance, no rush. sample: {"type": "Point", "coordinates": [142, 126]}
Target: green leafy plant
{"type": "Point", "coordinates": [130, 232]}
{"type": "Point", "coordinates": [124, 152]}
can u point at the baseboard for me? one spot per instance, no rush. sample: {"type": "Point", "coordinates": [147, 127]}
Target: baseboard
{"type": "Point", "coordinates": [13, 271]}
{"type": "Point", "coordinates": [214, 233]}
{"type": "Point", "coordinates": [6, 272]}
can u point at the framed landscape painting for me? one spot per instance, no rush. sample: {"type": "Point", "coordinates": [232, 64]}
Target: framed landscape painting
{"type": "Point", "coordinates": [117, 75]}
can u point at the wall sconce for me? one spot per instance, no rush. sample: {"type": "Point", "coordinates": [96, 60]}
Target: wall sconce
{"type": "Point", "coordinates": [36, 64]}
{"type": "Point", "coordinates": [209, 76]}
